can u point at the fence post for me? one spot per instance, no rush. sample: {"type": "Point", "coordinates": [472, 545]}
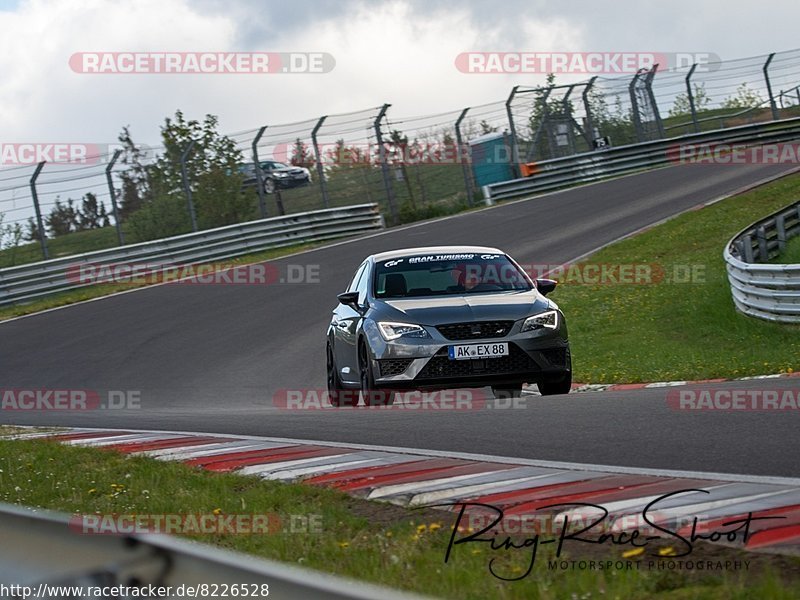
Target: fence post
{"type": "Point", "coordinates": [534, 145]}
{"type": "Point", "coordinates": [772, 104]}
{"type": "Point", "coordinates": [513, 133]}
{"type": "Point", "coordinates": [39, 223]}
{"type": "Point", "coordinates": [637, 119]}
{"type": "Point", "coordinates": [590, 133]}
{"type": "Point", "coordinates": [387, 182]}
{"type": "Point", "coordinates": [690, 95]}
{"type": "Point", "coordinates": [323, 185]}
{"type": "Point", "coordinates": [186, 187]}
{"type": "Point", "coordinates": [566, 110]}
{"type": "Point", "coordinates": [648, 82]}
{"type": "Point", "coordinates": [463, 159]}
{"type": "Point", "coordinates": [113, 194]}
{"type": "Point", "coordinates": [262, 203]}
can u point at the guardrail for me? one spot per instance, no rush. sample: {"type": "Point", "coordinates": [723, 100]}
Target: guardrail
{"type": "Point", "coordinates": [40, 551]}
{"type": "Point", "coordinates": [602, 164]}
{"type": "Point", "coordinates": [766, 291]}
{"type": "Point", "coordinates": [35, 280]}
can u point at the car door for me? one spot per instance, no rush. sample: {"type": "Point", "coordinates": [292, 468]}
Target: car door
{"type": "Point", "coordinates": [345, 321]}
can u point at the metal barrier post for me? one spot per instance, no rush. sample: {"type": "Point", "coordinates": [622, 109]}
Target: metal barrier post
{"type": "Point", "coordinates": [39, 223]}
{"type": "Point", "coordinates": [772, 105]}
{"type": "Point", "coordinates": [323, 185]}
{"type": "Point", "coordinates": [387, 182]}
{"type": "Point", "coordinates": [513, 132]}
{"type": "Point", "coordinates": [690, 95]}
{"type": "Point", "coordinates": [262, 203]}
{"type": "Point", "coordinates": [463, 159]}
{"type": "Point", "coordinates": [590, 132]}
{"type": "Point", "coordinates": [648, 82]}
{"type": "Point", "coordinates": [637, 120]}
{"type": "Point", "coordinates": [112, 193]}
{"type": "Point", "coordinates": [186, 187]}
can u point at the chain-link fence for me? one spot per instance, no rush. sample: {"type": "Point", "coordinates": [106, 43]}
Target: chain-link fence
{"type": "Point", "coordinates": [66, 199]}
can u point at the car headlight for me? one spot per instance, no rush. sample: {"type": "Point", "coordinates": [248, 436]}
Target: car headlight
{"type": "Point", "coordinates": [392, 331]}
{"type": "Point", "coordinates": [281, 175]}
{"type": "Point", "coordinates": [545, 320]}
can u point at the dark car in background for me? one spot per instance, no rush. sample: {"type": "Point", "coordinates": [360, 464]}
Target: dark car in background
{"type": "Point", "coordinates": [276, 175]}
{"type": "Point", "coordinates": [441, 318]}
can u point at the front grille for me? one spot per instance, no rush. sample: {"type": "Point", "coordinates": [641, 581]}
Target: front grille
{"type": "Point", "coordinates": [440, 365]}
{"type": "Point", "coordinates": [555, 356]}
{"type": "Point", "coordinates": [475, 330]}
{"type": "Point", "coordinates": [393, 366]}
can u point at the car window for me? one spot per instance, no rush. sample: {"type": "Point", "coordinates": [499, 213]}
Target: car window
{"type": "Point", "coordinates": [356, 278]}
{"type": "Point", "coordinates": [363, 285]}
{"type": "Point", "coordinates": [447, 274]}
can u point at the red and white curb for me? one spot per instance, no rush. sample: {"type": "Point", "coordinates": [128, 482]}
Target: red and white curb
{"type": "Point", "coordinates": [616, 387]}
{"type": "Point", "coordinates": [418, 478]}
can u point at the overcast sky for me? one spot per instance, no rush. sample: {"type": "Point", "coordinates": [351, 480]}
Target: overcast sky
{"type": "Point", "coordinates": [399, 52]}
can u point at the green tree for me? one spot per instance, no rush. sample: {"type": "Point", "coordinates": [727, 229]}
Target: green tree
{"type": "Point", "coordinates": [92, 214]}
{"type": "Point", "coordinates": [212, 172]}
{"type": "Point", "coordinates": [63, 218]}
{"type": "Point", "coordinates": [681, 106]}
{"type": "Point", "coordinates": [302, 155]}
{"type": "Point", "coordinates": [744, 98]}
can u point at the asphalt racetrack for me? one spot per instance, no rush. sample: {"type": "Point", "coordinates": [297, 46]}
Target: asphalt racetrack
{"type": "Point", "coordinates": [210, 357]}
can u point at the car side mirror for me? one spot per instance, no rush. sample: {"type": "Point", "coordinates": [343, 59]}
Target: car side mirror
{"type": "Point", "coordinates": [349, 299]}
{"type": "Point", "coordinates": [545, 286]}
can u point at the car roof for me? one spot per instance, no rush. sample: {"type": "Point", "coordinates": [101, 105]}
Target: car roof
{"type": "Point", "coordinates": [435, 250]}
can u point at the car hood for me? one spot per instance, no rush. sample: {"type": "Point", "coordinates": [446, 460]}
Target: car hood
{"type": "Point", "coordinates": [291, 170]}
{"type": "Point", "coordinates": [470, 307]}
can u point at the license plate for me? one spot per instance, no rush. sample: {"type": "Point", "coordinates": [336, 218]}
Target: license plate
{"type": "Point", "coordinates": [473, 351]}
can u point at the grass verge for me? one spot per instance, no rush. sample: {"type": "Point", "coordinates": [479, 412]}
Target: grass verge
{"type": "Point", "coordinates": [790, 254]}
{"type": "Point", "coordinates": [375, 542]}
{"type": "Point", "coordinates": [677, 322]}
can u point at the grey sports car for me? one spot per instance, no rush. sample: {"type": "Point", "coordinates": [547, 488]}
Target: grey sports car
{"type": "Point", "coordinates": [445, 317]}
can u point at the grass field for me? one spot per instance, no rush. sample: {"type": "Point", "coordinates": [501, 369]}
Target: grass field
{"type": "Point", "coordinates": [791, 254]}
{"type": "Point", "coordinates": [680, 322]}
{"type": "Point", "coordinates": [326, 530]}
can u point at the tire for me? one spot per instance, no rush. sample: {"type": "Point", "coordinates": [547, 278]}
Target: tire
{"type": "Point", "coordinates": [269, 186]}
{"type": "Point", "coordinates": [503, 393]}
{"type": "Point", "coordinates": [371, 395]}
{"type": "Point", "coordinates": [336, 394]}
{"type": "Point", "coordinates": [551, 388]}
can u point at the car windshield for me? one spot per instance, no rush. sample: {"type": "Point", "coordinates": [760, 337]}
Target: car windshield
{"type": "Point", "coordinates": [447, 275]}
{"type": "Point", "coordinates": [274, 165]}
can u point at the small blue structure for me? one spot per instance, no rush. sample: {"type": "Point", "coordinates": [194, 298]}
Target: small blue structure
{"type": "Point", "coordinates": [491, 158]}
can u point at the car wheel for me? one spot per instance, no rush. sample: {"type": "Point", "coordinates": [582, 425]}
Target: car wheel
{"type": "Point", "coordinates": [269, 186]}
{"type": "Point", "coordinates": [369, 393]}
{"type": "Point", "coordinates": [337, 396]}
{"type": "Point", "coordinates": [503, 393]}
{"type": "Point", "coordinates": [551, 388]}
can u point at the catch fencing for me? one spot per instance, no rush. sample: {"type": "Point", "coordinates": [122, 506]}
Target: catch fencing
{"type": "Point", "coordinates": [414, 167]}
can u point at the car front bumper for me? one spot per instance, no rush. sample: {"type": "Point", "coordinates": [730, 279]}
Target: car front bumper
{"type": "Point", "coordinates": [541, 355]}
